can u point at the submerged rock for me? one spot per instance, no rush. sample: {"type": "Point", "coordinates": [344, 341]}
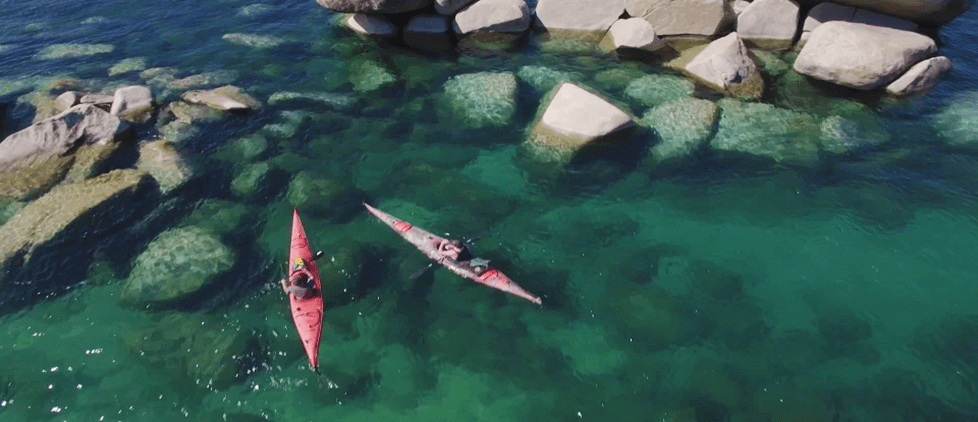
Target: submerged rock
{"type": "Point", "coordinates": [254, 41]}
{"type": "Point", "coordinates": [191, 349]}
{"type": "Point", "coordinates": [244, 149]}
{"type": "Point", "coordinates": [338, 101]}
{"type": "Point", "coordinates": [653, 90]}
{"type": "Point", "coordinates": [225, 98]}
{"type": "Point", "coordinates": [44, 219]}
{"type": "Point", "coordinates": [374, 6]}
{"type": "Point", "coordinates": [684, 126]}
{"type": "Point", "coordinates": [853, 131]}
{"type": "Point", "coordinates": [178, 131]}
{"type": "Point", "coordinates": [861, 56]}
{"type": "Point", "coordinates": [178, 263]}
{"type": "Point", "coordinates": [249, 179]}
{"type": "Point", "coordinates": [202, 80]}
{"type": "Point", "coordinates": [543, 79]}
{"type": "Point", "coordinates": [64, 51]}
{"type": "Point", "coordinates": [480, 100]}
{"type": "Point", "coordinates": [726, 66]}
{"type": "Point", "coordinates": [134, 64]}
{"type": "Point", "coordinates": [321, 197]}
{"type": "Point", "coordinates": [193, 113]}
{"type": "Point", "coordinates": [957, 122]}
{"type": "Point", "coordinates": [162, 161]}
{"type": "Point", "coordinates": [574, 118]}
{"type": "Point", "coordinates": [368, 75]}
{"type": "Point", "coordinates": [218, 216]}
{"type": "Point", "coordinates": [766, 131]}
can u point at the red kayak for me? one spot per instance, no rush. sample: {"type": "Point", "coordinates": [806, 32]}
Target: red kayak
{"type": "Point", "coordinates": [428, 243]}
{"type": "Point", "coordinates": [308, 312]}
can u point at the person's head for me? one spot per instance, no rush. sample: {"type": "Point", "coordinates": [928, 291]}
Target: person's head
{"type": "Point", "coordinates": [300, 279]}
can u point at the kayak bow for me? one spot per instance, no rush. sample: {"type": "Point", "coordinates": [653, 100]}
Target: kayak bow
{"type": "Point", "coordinates": [307, 313]}
{"type": "Point", "coordinates": [428, 244]}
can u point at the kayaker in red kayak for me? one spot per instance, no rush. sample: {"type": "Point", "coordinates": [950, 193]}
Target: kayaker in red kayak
{"type": "Point", "coordinates": [456, 251]}
{"type": "Point", "coordinates": [299, 284]}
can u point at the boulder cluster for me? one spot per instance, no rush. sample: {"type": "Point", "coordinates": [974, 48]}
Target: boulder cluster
{"type": "Point", "coordinates": [724, 45]}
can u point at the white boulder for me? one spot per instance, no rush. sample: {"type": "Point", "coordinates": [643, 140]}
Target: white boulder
{"type": "Point", "coordinates": [450, 7]}
{"type": "Point", "coordinates": [725, 65]}
{"type": "Point", "coordinates": [827, 12]}
{"type": "Point", "coordinates": [861, 56]}
{"type": "Point", "coordinates": [682, 17]}
{"type": "Point", "coordinates": [769, 24]}
{"type": "Point", "coordinates": [508, 16]}
{"type": "Point", "coordinates": [925, 11]}
{"type": "Point", "coordinates": [132, 103]}
{"type": "Point", "coordinates": [633, 34]}
{"type": "Point", "coordinates": [225, 98]}
{"type": "Point", "coordinates": [581, 15]}
{"type": "Point", "coordinates": [921, 77]}
{"type": "Point", "coordinates": [574, 118]}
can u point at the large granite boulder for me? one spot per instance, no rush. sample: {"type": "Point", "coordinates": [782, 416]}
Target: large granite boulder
{"type": "Point", "coordinates": [161, 160]}
{"type": "Point", "coordinates": [769, 24]}
{"type": "Point", "coordinates": [921, 77]}
{"type": "Point", "coordinates": [682, 17]}
{"type": "Point", "coordinates": [828, 12]}
{"type": "Point", "coordinates": [574, 118]}
{"type": "Point", "coordinates": [91, 200]}
{"type": "Point", "coordinates": [374, 6]}
{"type": "Point", "coordinates": [683, 126]}
{"type": "Point", "coordinates": [925, 11]}
{"type": "Point", "coordinates": [763, 130]}
{"type": "Point", "coordinates": [177, 264]}
{"type": "Point", "coordinates": [500, 16]}
{"type": "Point", "coordinates": [39, 156]}
{"type": "Point", "coordinates": [631, 36]}
{"type": "Point", "coordinates": [133, 103]}
{"type": "Point", "coordinates": [580, 15]}
{"type": "Point", "coordinates": [370, 24]}
{"type": "Point", "coordinates": [861, 56]}
{"type": "Point", "coordinates": [479, 100]}
{"type": "Point", "coordinates": [726, 66]}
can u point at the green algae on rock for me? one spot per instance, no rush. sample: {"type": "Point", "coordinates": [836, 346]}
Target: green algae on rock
{"type": "Point", "coordinates": [64, 51]}
{"type": "Point", "coordinates": [217, 215]}
{"type": "Point", "coordinates": [654, 90]}
{"type": "Point", "coordinates": [249, 179]}
{"type": "Point", "coordinates": [763, 130]}
{"type": "Point", "coordinates": [42, 220]}
{"type": "Point", "coordinates": [481, 100]}
{"type": "Point", "coordinates": [684, 126]}
{"type": "Point", "coordinates": [543, 78]}
{"type": "Point", "coordinates": [162, 160]}
{"type": "Point", "coordinates": [176, 264]}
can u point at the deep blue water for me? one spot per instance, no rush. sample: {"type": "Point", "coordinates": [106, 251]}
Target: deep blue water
{"type": "Point", "coordinates": [725, 290]}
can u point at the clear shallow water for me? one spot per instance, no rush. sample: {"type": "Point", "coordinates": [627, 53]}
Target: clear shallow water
{"type": "Point", "coordinates": [726, 291]}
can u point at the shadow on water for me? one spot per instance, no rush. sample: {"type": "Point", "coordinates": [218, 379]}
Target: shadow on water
{"type": "Point", "coordinates": [58, 265]}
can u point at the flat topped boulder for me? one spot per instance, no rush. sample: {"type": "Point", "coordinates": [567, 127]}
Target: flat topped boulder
{"type": "Point", "coordinates": [574, 118]}
{"type": "Point", "coordinates": [374, 6]}
{"type": "Point", "coordinates": [42, 220]}
{"type": "Point", "coordinates": [506, 16]}
{"type": "Point", "coordinates": [581, 15]}
{"type": "Point", "coordinates": [861, 56]}
{"type": "Point", "coordinates": [681, 17]}
{"type": "Point", "coordinates": [450, 7]}
{"type": "Point", "coordinates": [726, 66]}
{"type": "Point", "coordinates": [770, 24]}
{"type": "Point", "coordinates": [132, 103]}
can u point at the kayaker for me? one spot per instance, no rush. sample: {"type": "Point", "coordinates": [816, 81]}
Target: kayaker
{"type": "Point", "coordinates": [300, 284]}
{"type": "Point", "coordinates": [456, 251]}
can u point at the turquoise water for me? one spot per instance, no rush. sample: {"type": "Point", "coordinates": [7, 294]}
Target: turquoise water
{"type": "Point", "coordinates": [725, 290]}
